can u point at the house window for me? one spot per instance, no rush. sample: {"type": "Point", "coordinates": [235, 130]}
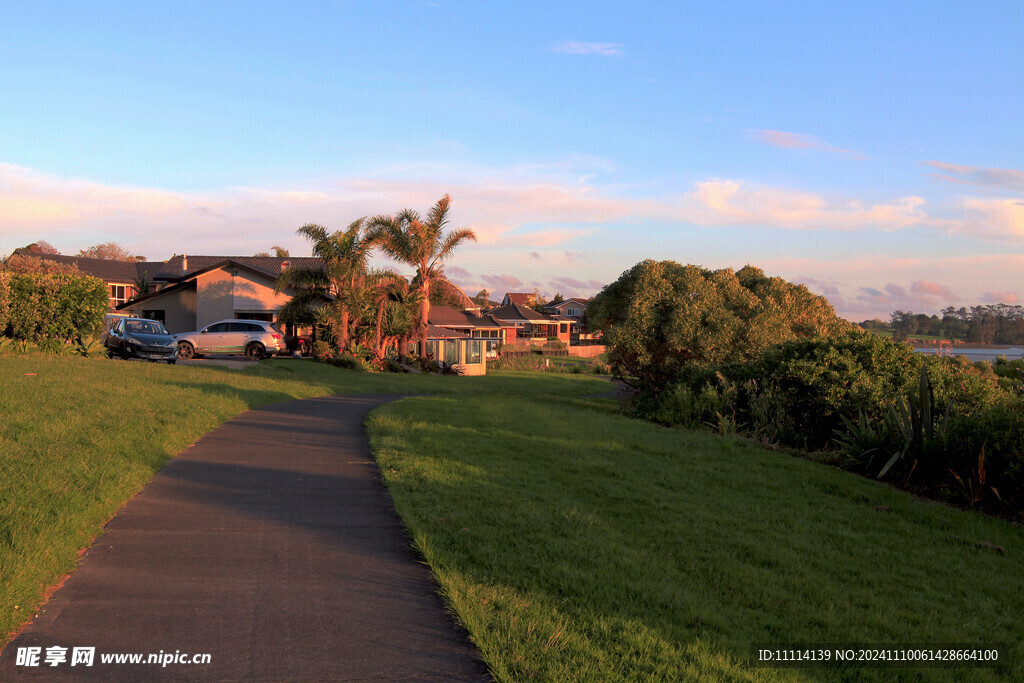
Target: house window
{"type": "Point", "coordinates": [120, 294]}
{"type": "Point", "coordinates": [451, 352]}
{"type": "Point", "coordinates": [474, 351]}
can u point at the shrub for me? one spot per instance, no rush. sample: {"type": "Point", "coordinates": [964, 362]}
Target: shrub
{"type": "Point", "coordinates": [663, 320]}
{"type": "Point", "coordinates": [322, 351]}
{"type": "Point", "coordinates": [798, 392]}
{"type": "Point", "coordinates": [51, 306]}
{"type": "Point", "coordinates": [997, 432]}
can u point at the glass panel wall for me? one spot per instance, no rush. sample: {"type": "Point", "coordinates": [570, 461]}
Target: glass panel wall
{"type": "Point", "coordinates": [451, 352]}
{"type": "Point", "coordinates": [473, 355]}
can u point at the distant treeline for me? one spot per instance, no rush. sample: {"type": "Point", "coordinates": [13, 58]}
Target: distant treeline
{"type": "Point", "coordinates": [993, 324]}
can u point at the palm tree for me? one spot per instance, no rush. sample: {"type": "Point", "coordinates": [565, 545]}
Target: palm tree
{"type": "Point", "coordinates": [339, 285]}
{"type": "Point", "coordinates": [423, 245]}
{"type": "Point", "coordinates": [394, 303]}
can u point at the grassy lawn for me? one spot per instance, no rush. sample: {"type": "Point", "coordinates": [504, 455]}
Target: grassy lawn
{"type": "Point", "coordinates": [924, 337]}
{"type": "Point", "coordinates": [578, 544]}
{"type": "Point", "coordinates": [79, 437]}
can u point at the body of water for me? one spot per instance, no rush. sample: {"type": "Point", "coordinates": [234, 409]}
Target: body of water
{"type": "Point", "coordinates": [989, 353]}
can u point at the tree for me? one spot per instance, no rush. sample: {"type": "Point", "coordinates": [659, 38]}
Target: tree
{"type": "Point", "coordinates": [421, 244]}
{"type": "Point", "coordinates": [662, 319]}
{"type": "Point", "coordinates": [17, 263]}
{"type": "Point", "coordinates": [279, 252]}
{"type": "Point", "coordinates": [338, 287]}
{"type": "Point", "coordinates": [394, 303]}
{"type": "Point", "coordinates": [558, 298]}
{"type": "Point", "coordinates": [42, 247]}
{"type": "Point", "coordinates": [109, 251]}
{"type": "Point", "coordinates": [482, 298]}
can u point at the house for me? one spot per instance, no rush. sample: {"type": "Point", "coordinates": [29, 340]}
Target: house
{"type": "Point", "coordinates": [122, 277]}
{"type": "Point", "coordinates": [472, 324]}
{"type": "Point", "coordinates": [195, 291]}
{"type": "Point", "coordinates": [519, 298]}
{"type": "Point", "coordinates": [529, 324]}
{"type": "Point", "coordinates": [568, 308]}
{"type": "Point", "coordinates": [572, 310]}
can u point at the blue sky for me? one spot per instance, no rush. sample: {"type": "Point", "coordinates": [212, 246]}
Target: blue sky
{"type": "Point", "coordinates": [868, 150]}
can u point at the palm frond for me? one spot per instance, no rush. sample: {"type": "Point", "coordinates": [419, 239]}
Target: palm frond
{"type": "Point", "coordinates": [313, 232]}
{"type": "Point", "coordinates": [452, 240]}
{"type": "Point", "coordinates": [313, 278]}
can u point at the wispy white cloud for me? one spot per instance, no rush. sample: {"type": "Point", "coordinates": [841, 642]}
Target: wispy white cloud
{"type": "Point", "coordinates": [575, 47]}
{"type": "Point", "coordinates": [992, 178]}
{"type": "Point", "coordinates": [731, 202]}
{"type": "Point", "coordinates": [785, 140]}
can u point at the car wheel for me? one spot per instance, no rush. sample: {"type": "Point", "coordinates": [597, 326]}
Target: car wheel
{"type": "Point", "coordinates": [186, 351]}
{"type": "Point", "coordinates": [254, 351]}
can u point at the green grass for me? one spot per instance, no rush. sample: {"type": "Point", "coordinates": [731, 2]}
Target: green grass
{"type": "Point", "coordinates": [79, 437]}
{"type": "Point", "coordinates": [925, 337]}
{"type": "Point", "coordinates": [573, 542]}
{"type": "Point", "coordinates": [577, 544]}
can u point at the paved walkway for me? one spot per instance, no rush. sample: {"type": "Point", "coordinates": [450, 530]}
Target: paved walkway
{"type": "Point", "coordinates": [270, 544]}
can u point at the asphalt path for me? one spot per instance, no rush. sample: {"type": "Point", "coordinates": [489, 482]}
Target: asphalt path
{"type": "Point", "coordinates": [270, 545]}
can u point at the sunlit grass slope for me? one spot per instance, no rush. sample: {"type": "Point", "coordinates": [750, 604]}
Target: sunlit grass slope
{"type": "Point", "coordinates": [578, 544]}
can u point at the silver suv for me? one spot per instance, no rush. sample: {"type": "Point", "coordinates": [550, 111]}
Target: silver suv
{"type": "Point", "coordinates": [254, 338]}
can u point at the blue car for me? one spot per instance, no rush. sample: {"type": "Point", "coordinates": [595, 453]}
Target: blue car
{"type": "Point", "coordinates": [141, 338]}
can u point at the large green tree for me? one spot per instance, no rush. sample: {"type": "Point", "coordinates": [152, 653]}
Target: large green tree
{"type": "Point", "coordinates": [338, 286]}
{"type": "Point", "coordinates": [661, 319]}
{"type": "Point", "coordinates": [424, 245]}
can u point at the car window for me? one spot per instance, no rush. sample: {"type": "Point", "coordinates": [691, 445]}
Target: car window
{"type": "Point", "coordinates": [116, 327]}
{"type": "Point", "coordinates": [256, 327]}
{"type": "Point", "coordinates": [145, 327]}
{"type": "Point", "coordinates": [273, 326]}
{"type": "Point", "coordinates": [218, 327]}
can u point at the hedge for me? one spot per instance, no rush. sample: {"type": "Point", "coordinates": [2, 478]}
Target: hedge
{"type": "Point", "coordinates": [51, 306]}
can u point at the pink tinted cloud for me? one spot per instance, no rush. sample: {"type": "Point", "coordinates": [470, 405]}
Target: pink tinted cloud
{"type": "Point", "coordinates": [1000, 297]}
{"type": "Point", "coordinates": [785, 140]}
{"type": "Point", "coordinates": [459, 276]}
{"type": "Point", "coordinates": [934, 289]}
{"type": "Point", "coordinates": [570, 286]}
{"type": "Point", "coordinates": [497, 208]}
{"type": "Point", "coordinates": [1000, 220]}
{"type": "Point", "coordinates": [923, 296]}
{"type": "Point", "coordinates": [502, 281]}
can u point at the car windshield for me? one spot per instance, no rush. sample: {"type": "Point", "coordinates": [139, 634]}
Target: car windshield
{"type": "Point", "coordinates": [145, 327]}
